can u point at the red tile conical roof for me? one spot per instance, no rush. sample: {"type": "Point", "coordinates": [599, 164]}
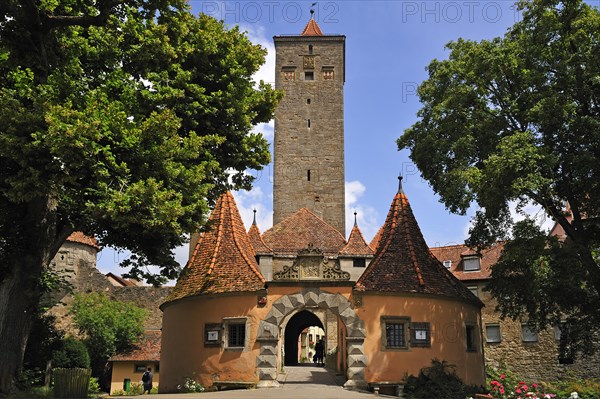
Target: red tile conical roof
{"type": "Point", "coordinates": [297, 231]}
{"type": "Point", "coordinates": [312, 29]}
{"type": "Point", "coordinates": [81, 238]}
{"type": "Point", "coordinates": [356, 246]}
{"type": "Point", "coordinates": [255, 239]}
{"type": "Point", "coordinates": [403, 262]}
{"type": "Point", "coordinates": [224, 260]}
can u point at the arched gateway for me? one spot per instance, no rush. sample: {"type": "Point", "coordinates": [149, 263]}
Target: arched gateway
{"type": "Point", "coordinates": [269, 327]}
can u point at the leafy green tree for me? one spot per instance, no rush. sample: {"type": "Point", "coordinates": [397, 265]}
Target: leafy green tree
{"type": "Point", "coordinates": [516, 120]}
{"type": "Point", "coordinates": [109, 326]}
{"type": "Point", "coordinates": [121, 119]}
{"type": "Point", "coordinates": [72, 354]}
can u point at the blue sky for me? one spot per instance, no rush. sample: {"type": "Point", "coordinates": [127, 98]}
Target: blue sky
{"type": "Point", "coordinates": [388, 46]}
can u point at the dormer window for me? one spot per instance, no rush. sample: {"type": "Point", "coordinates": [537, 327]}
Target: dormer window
{"type": "Point", "coordinates": [447, 264]}
{"type": "Point", "coordinates": [471, 263]}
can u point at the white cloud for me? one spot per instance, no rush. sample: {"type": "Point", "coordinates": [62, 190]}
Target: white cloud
{"type": "Point", "coordinates": [266, 73]}
{"type": "Point", "coordinates": [366, 215]}
{"type": "Point", "coordinates": [255, 199]}
{"type": "Point", "coordinates": [531, 210]}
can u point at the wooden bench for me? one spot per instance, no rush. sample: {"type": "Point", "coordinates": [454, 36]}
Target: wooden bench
{"type": "Point", "coordinates": [222, 385]}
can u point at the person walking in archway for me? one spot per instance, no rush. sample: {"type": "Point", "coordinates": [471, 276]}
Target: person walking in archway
{"type": "Point", "coordinates": [320, 351]}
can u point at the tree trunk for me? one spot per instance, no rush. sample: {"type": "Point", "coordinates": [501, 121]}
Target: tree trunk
{"type": "Point", "coordinates": [17, 307]}
{"type": "Point", "coordinates": [20, 289]}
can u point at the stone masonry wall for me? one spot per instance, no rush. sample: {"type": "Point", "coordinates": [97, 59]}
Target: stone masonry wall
{"type": "Point", "coordinates": [531, 361]}
{"type": "Point", "coordinates": [78, 263]}
{"type": "Point", "coordinates": [309, 128]}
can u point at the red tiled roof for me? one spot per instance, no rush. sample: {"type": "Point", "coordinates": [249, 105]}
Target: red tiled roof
{"type": "Point", "coordinates": [81, 238]}
{"type": "Point", "coordinates": [148, 349]}
{"type": "Point", "coordinates": [299, 230]}
{"type": "Point", "coordinates": [356, 246]}
{"type": "Point", "coordinates": [374, 244]}
{"type": "Point", "coordinates": [257, 242]}
{"type": "Point", "coordinates": [312, 29]}
{"type": "Point", "coordinates": [455, 254]}
{"type": "Point", "coordinates": [120, 280]}
{"type": "Point", "coordinates": [224, 260]}
{"type": "Point", "coordinates": [403, 262]}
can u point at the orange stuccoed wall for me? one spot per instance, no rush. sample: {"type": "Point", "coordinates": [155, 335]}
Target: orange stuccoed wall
{"type": "Point", "coordinates": [184, 353]}
{"type": "Point", "coordinates": [447, 317]}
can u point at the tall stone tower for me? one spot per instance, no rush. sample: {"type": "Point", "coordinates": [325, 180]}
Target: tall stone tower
{"type": "Point", "coordinates": [309, 126]}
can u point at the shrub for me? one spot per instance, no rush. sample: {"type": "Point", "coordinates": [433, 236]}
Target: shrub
{"type": "Point", "coordinates": [190, 385]}
{"type": "Point", "coordinates": [438, 381]}
{"type": "Point", "coordinates": [586, 389]}
{"type": "Point", "coordinates": [72, 354]}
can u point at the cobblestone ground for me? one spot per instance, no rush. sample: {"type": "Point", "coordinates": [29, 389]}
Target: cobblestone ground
{"type": "Point", "coordinates": [301, 382]}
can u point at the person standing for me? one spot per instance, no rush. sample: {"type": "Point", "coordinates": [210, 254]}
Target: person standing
{"type": "Point", "coordinates": [320, 349]}
{"type": "Point", "coordinates": [147, 381]}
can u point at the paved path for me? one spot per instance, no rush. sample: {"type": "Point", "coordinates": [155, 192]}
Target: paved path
{"type": "Point", "coordinates": [297, 383]}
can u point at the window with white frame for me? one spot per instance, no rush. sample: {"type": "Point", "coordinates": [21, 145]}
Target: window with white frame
{"type": "Point", "coordinates": [528, 333]}
{"type": "Point", "coordinates": [420, 335]}
{"type": "Point", "coordinates": [492, 333]}
{"type": "Point", "coordinates": [447, 264]}
{"type": "Point", "coordinates": [471, 263]}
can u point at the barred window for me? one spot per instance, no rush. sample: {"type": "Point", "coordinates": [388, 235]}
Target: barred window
{"type": "Point", "coordinates": [237, 335]}
{"type": "Point", "coordinates": [395, 331]}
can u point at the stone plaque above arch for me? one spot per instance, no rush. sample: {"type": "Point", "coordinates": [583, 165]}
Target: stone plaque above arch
{"type": "Point", "coordinates": [268, 333]}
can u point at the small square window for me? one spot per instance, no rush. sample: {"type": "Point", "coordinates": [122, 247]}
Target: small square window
{"type": "Point", "coordinates": [140, 368]}
{"type": "Point", "coordinates": [471, 263]}
{"type": "Point", "coordinates": [359, 262]}
{"type": "Point", "coordinates": [395, 332]}
{"type": "Point", "coordinates": [420, 335]}
{"type": "Point", "coordinates": [492, 333]}
{"type": "Point", "coordinates": [234, 330]}
{"type": "Point", "coordinates": [237, 335]}
{"type": "Point", "coordinates": [447, 264]}
{"type": "Point", "coordinates": [470, 338]}
{"type": "Point", "coordinates": [528, 333]}
{"type": "Point", "coordinates": [309, 75]}
{"type": "Point", "coordinates": [212, 334]}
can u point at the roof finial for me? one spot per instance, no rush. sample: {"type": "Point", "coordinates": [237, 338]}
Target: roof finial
{"type": "Point", "coordinates": [312, 10]}
{"type": "Point", "coordinates": [254, 221]}
{"type": "Point", "coordinates": [355, 224]}
{"type": "Point", "coordinates": [400, 190]}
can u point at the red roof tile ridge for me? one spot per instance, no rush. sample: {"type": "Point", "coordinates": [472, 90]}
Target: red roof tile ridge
{"type": "Point", "coordinates": [320, 219]}
{"type": "Point", "coordinates": [356, 238]}
{"type": "Point", "coordinates": [219, 235]}
{"type": "Point", "coordinates": [254, 233]}
{"type": "Point", "coordinates": [382, 250]}
{"type": "Point", "coordinates": [411, 247]}
{"type": "Point", "coordinates": [237, 242]}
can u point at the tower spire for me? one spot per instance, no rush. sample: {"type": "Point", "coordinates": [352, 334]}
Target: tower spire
{"type": "Point", "coordinates": [400, 189]}
{"type": "Point", "coordinates": [254, 220]}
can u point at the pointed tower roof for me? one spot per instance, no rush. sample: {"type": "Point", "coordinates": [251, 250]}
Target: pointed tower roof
{"type": "Point", "coordinates": [356, 246]}
{"type": "Point", "coordinates": [224, 260]}
{"type": "Point", "coordinates": [403, 262]}
{"type": "Point", "coordinates": [255, 239]}
{"type": "Point", "coordinates": [297, 231]}
{"type": "Point", "coordinates": [374, 244]}
{"type": "Point", "coordinates": [312, 28]}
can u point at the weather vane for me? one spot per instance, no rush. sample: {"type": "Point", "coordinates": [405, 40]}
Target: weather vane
{"type": "Point", "coordinates": [312, 9]}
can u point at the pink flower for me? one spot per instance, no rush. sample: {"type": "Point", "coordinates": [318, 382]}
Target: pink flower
{"type": "Point", "coordinates": [502, 376]}
{"type": "Point", "coordinates": [518, 390]}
